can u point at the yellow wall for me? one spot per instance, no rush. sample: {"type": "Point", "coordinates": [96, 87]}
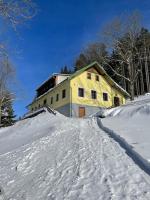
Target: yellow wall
{"type": "Point", "coordinates": [57, 90]}
{"type": "Point", "coordinates": [81, 81]}
{"type": "Point", "coordinates": [92, 84]}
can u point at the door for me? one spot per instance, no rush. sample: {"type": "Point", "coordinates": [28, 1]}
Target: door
{"type": "Point", "coordinates": [116, 101]}
{"type": "Point", "coordinates": [81, 111]}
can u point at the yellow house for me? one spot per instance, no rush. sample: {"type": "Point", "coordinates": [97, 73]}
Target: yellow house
{"type": "Point", "coordinates": [80, 94]}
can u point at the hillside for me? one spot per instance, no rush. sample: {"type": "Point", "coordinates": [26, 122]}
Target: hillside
{"type": "Point", "coordinates": [53, 157]}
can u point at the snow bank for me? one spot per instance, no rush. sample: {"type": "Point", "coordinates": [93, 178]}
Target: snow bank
{"type": "Point", "coordinates": [131, 122]}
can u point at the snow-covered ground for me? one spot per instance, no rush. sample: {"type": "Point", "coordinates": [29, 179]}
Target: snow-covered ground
{"type": "Point", "coordinates": [56, 158]}
{"type": "Point", "coordinates": [132, 122]}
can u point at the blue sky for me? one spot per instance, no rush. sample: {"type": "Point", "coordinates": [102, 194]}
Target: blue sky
{"type": "Point", "coordinates": [56, 36]}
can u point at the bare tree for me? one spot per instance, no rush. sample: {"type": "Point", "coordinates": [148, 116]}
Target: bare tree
{"type": "Point", "coordinates": [121, 34]}
{"type": "Point", "coordinates": [16, 12]}
{"type": "Point", "coordinates": [13, 13]}
{"type": "Point", "coordinates": [94, 52]}
{"type": "Point", "coordinates": [6, 75]}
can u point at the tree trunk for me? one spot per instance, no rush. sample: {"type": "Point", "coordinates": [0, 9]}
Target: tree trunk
{"type": "Point", "coordinates": [0, 113]}
{"type": "Point", "coordinates": [147, 72]}
{"type": "Point", "coordinates": [123, 80]}
{"type": "Point", "coordinates": [141, 78]}
{"type": "Point", "coordinates": [131, 91]}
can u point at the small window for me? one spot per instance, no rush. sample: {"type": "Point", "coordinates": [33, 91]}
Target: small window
{"type": "Point", "coordinates": [97, 78]}
{"type": "Point", "coordinates": [51, 100]}
{"type": "Point", "coordinates": [39, 105]}
{"type": "Point", "coordinates": [45, 102]}
{"type": "Point", "coordinates": [88, 75]}
{"type": "Point", "coordinates": [105, 96]}
{"type": "Point", "coordinates": [93, 94]}
{"type": "Point", "coordinates": [80, 92]}
{"type": "Point", "coordinates": [63, 94]}
{"type": "Point", "coordinates": [57, 97]}
{"type": "Point", "coordinates": [32, 109]}
{"type": "Point", "coordinates": [35, 108]}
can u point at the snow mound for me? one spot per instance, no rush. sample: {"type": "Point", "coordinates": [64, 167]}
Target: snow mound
{"type": "Point", "coordinates": [27, 131]}
{"type": "Point", "coordinates": [131, 109]}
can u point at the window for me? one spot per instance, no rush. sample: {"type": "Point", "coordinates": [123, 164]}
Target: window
{"type": "Point", "coordinates": [93, 94]}
{"type": "Point", "coordinates": [97, 78]}
{"type": "Point", "coordinates": [39, 105]}
{"type": "Point", "coordinates": [32, 109]}
{"type": "Point", "coordinates": [63, 94]}
{"type": "Point", "coordinates": [57, 97]}
{"type": "Point", "coordinates": [105, 96]}
{"type": "Point", "coordinates": [51, 100]}
{"type": "Point", "coordinates": [88, 75]}
{"type": "Point", "coordinates": [80, 92]}
{"type": "Point", "coordinates": [45, 101]}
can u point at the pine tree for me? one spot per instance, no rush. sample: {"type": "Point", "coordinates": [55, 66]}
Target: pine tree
{"type": "Point", "coordinates": [8, 117]}
{"type": "Point", "coordinates": [65, 70]}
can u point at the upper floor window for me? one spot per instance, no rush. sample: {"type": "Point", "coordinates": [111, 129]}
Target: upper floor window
{"type": "Point", "coordinates": [93, 94]}
{"type": "Point", "coordinates": [97, 77]}
{"type": "Point", "coordinates": [88, 75]}
{"type": "Point", "coordinates": [80, 92]}
{"type": "Point", "coordinates": [57, 97]}
{"type": "Point", "coordinates": [45, 101]}
{"type": "Point", "coordinates": [51, 100]}
{"type": "Point", "coordinates": [63, 93]}
{"type": "Point", "coordinates": [105, 96]}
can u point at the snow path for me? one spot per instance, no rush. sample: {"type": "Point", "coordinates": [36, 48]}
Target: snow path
{"type": "Point", "coordinates": [76, 161]}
